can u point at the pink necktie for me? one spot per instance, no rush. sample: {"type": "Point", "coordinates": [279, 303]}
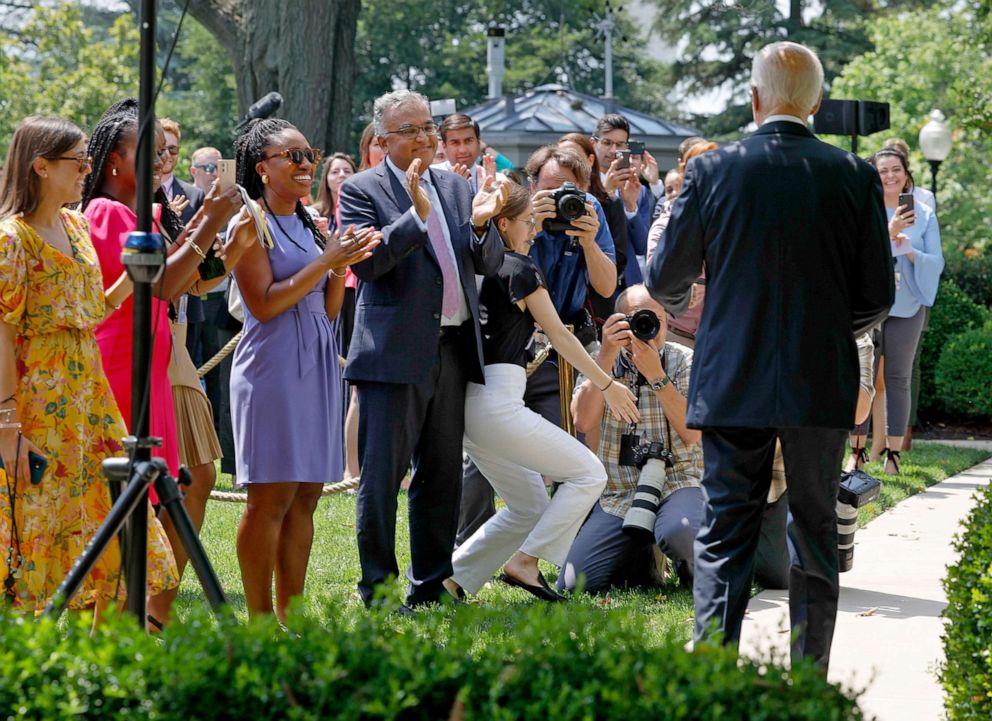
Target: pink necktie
{"type": "Point", "coordinates": [450, 301]}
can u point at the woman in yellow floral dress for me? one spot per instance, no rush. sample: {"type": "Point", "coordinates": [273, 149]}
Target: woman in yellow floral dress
{"type": "Point", "coordinates": [55, 397]}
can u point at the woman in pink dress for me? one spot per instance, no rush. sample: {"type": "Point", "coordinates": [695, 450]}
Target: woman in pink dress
{"type": "Point", "coordinates": [109, 203]}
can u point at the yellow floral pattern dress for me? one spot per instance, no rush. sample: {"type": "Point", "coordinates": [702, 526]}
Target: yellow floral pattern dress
{"type": "Point", "coordinates": [67, 409]}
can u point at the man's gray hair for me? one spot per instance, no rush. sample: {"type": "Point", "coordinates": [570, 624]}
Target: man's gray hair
{"type": "Point", "coordinates": [787, 73]}
{"type": "Point", "coordinates": [392, 100]}
{"type": "Point", "coordinates": [622, 302]}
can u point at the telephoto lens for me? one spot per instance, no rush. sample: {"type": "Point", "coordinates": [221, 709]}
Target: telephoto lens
{"type": "Point", "coordinates": [857, 489]}
{"type": "Point", "coordinates": [639, 521]}
{"type": "Point", "coordinates": [847, 524]}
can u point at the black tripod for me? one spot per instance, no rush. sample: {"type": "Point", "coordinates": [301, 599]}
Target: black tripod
{"type": "Point", "coordinates": [144, 258]}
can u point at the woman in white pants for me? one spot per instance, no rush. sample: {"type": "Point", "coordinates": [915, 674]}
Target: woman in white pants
{"type": "Point", "coordinates": [515, 447]}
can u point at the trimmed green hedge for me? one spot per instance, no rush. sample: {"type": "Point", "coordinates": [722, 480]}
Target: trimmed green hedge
{"type": "Point", "coordinates": [964, 373]}
{"type": "Point", "coordinates": [973, 276]}
{"type": "Point", "coordinates": [953, 312]}
{"type": "Point", "coordinates": [967, 671]}
{"type": "Point", "coordinates": [563, 663]}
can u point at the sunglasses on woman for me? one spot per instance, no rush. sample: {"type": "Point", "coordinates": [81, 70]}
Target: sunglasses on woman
{"type": "Point", "coordinates": [296, 155]}
{"type": "Point", "coordinates": [85, 161]}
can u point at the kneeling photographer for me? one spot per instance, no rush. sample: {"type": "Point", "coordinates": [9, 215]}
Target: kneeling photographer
{"type": "Point", "coordinates": [653, 469]}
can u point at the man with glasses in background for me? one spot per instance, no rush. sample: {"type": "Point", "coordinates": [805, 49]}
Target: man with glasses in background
{"type": "Point", "coordinates": [185, 199]}
{"type": "Point", "coordinates": [218, 325]}
{"type": "Point", "coordinates": [621, 178]}
{"type": "Point", "coordinates": [204, 164]}
{"type": "Point", "coordinates": [173, 187]}
{"type": "Point", "coordinates": [416, 343]}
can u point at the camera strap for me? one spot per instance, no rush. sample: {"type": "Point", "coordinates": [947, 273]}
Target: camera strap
{"type": "Point", "coordinates": [624, 366]}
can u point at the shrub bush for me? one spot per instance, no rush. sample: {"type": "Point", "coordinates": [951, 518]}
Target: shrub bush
{"type": "Point", "coordinates": [568, 662]}
{"type": "Point", "coordinates": [973, 275]}
{"type": "Point", "coordinates": [964, 373]}
{"type": "Point", "coordinates": [953, 312]}
{"type": "Point", "coordinates": [966, 673]}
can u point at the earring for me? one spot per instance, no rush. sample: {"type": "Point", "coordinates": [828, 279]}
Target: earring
{"type": "Point", "coordinates": [113, 171]}
{"type": "Point", "coordinates": [44, 175]}
{"type": "Point", "coordinates": [265, 179]}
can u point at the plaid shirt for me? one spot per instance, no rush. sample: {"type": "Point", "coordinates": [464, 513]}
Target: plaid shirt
{"type": "Point", "coordinates": [687, 470]}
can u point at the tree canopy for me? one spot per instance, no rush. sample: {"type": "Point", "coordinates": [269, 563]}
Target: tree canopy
{"type": "Point", "coordinates": [717, 41]}
{"type": "Point", "coordinates": [440, 50]}
{"type": "Point", "coordinates": [936, 58]}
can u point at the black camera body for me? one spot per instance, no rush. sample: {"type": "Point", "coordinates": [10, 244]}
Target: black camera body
{"type": "Point", "coordinates": [635, 453]}
{"type": "Point", "coordinates": [570, 204]}
{"type": "Point", "coordinates": [644, 324]}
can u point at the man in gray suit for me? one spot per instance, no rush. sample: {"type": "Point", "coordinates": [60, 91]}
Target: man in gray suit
{"type": "Point", "coordinates": [794, 239]}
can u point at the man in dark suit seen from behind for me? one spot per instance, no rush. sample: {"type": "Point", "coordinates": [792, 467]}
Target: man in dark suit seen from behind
{"type": "Point", "coordinates": [793, 235]}
{"type": "Point", "coordinates": [416, 342]}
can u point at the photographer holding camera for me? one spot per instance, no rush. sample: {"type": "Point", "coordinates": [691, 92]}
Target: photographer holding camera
{"type": "Point", "coordinates": [653, 468]}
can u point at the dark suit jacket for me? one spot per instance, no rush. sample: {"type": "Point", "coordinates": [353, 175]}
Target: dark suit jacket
{"type": "Point", "coordinates": [794, 236]}
{"type": "Point", "coordinates": [398, 313]}
{"type": "Point", "coordinates": [192, 193]}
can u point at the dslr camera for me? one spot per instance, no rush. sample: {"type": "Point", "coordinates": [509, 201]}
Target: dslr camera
{"type": "Point", "coordinates": [644, 324]}
{"type": "Point", "coordinates": [633, 453]}
{"type": "Point", "coordinates": [570, 204]}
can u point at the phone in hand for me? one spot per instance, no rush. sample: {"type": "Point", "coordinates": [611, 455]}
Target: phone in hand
{"type": "Point", "coordinates": [225, 174]}
{"type": "Point", "coordinates": [907, 200]}
{"type": "Point", "coordinates": [211, 267]}
{"type": "Point", "coordinates": [636, 148]}
{"type": "Point", "coordinates": [624, 156]}
{"type": "Point", "coordinates": [38, 464]}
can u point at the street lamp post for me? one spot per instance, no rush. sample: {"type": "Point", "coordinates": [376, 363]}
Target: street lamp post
{"type": "Point", "coordinates": [935, 142]}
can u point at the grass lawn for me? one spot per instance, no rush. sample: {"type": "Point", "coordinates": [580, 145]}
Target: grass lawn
{"type": "Point", "coordinates": [667, 611]}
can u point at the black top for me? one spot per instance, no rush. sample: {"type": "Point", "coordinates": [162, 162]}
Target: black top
{"type": "Point", "coordinates": [507, 330]}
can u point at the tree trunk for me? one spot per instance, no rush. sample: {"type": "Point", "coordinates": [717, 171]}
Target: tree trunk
{"type": "Point", "coordinates": [302, 49]}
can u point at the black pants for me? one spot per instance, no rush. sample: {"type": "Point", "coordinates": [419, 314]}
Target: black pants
{"type": "Point", "coordinates": [735, 487]}
{"type": "Point", "coordinates": [424, 423]}
{"type": "Point", "coordinates": [478, 503]}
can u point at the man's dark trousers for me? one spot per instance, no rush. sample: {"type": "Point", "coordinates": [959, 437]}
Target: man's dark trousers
{"type": "Point", "coordinates": [432, 411]}
{"type": "Point", "coordinates": [738, 469]}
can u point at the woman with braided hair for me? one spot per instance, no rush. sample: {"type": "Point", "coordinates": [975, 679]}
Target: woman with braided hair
{"type": "Point", "coordinates": [109, 204]}
{"type": "Point", "coordinates": [285, 378]}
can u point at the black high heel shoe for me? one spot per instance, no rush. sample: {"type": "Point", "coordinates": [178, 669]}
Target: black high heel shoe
{"type": "Point", "coordinates": [542, 591]}
{"type": "Point", "coordinates": [893, 458]}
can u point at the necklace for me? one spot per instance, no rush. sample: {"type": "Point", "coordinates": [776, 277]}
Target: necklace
{"type": "Point", "coordinates": [282, 230]}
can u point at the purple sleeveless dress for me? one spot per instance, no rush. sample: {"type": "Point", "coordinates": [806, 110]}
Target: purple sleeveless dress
{"type": "Point", "coordinates": [286, 382]}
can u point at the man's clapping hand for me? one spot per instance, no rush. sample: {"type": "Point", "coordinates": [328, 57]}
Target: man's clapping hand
{"type": "Point", "coordinates": [421, 203]}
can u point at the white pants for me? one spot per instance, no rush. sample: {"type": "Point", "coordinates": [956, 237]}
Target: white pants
{"type": "Point", "coordinates": [514, 447]}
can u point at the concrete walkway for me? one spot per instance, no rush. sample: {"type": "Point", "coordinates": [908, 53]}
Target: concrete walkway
{"type": "Point", "coordinates": [888, 623]}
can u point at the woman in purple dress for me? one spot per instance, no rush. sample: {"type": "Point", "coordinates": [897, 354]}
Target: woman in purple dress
{"type": "Point", "coordinates": [285, 378]}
